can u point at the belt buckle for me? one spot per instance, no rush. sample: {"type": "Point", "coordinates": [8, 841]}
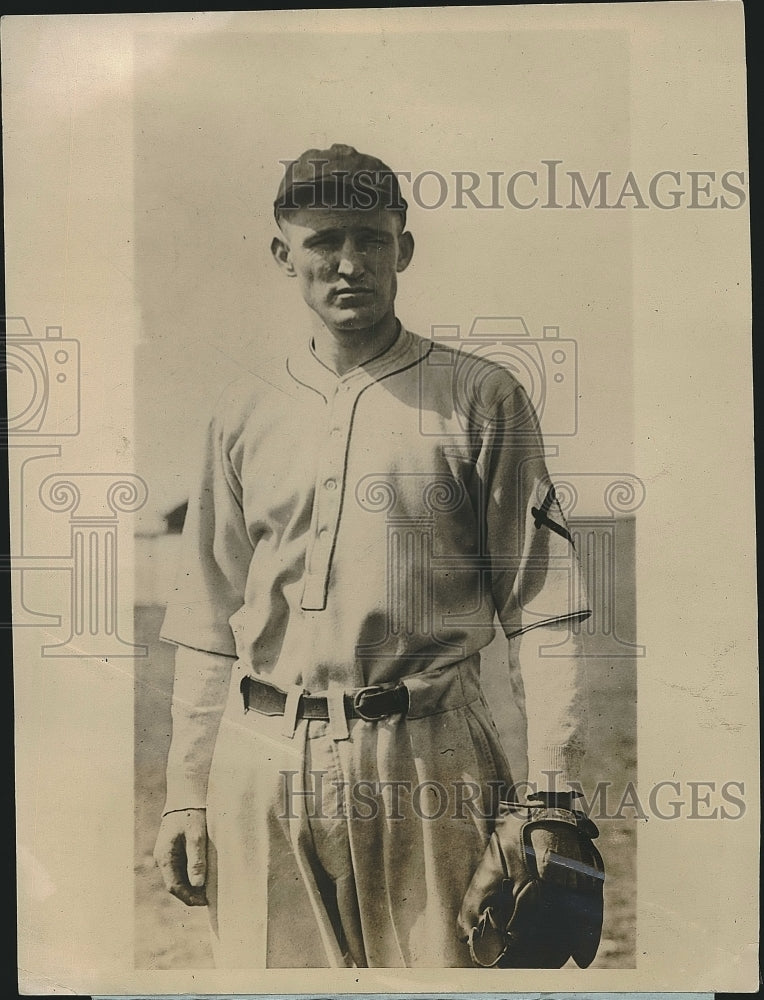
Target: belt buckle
{"type": "Point", "coordinates": [358, 700]}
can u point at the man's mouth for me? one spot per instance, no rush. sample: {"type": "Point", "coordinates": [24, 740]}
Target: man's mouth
{"type": "Point", "coordinates": [351, 293]}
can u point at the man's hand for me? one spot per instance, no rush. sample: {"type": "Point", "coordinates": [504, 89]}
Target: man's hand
{"type": "Point", "coordinates": [181, 855]}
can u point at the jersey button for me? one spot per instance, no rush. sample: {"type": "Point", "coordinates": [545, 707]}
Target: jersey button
{"type": "Point", "coordinates": [330, 484]}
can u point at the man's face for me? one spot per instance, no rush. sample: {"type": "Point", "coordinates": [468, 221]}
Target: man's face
{"type": "Point", "coordinates": [346, 261]}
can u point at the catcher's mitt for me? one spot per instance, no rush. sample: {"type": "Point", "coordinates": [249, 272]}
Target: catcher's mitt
{"type": "Point", "coordinates": [536, 898]}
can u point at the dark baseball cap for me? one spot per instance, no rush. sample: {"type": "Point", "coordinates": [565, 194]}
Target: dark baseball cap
{"type": "Point", "coordinates": [338, 177]}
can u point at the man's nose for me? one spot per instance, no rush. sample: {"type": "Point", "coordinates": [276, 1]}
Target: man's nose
{"type": "Point", "coordinates": [351, 260]}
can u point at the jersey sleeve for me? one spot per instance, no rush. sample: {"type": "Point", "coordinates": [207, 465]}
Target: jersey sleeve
{"type": "Point", "coordinates": [199, 695]}
{"type": "Point", "coordinates": [538, 592]}
{"type": "Point", "coordinates": [555, 704]}
{"type": "Point", "coordinates": [216, 552]}
{"type": "Point", "coordinates": [536, 578]}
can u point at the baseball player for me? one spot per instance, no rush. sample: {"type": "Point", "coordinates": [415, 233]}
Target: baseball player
{"type": "Point", "coordinates": [359, 525]}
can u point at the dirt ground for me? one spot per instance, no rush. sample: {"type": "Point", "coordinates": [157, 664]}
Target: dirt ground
{"type": "Point", "coordinates": [170, 935]}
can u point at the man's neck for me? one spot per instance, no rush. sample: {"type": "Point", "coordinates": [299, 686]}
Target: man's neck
{"type": "Point", "coordinates": [342, 350]}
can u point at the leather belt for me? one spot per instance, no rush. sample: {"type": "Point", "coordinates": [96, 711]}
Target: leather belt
{"type": "Point", "coordinates": [371, 703]}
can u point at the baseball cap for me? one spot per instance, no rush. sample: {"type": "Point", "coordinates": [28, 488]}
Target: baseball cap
{"type": "Point", "coordinates": [338, 177]}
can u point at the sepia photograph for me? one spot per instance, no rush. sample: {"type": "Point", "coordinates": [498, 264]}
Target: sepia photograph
{"type": "Point", "coordinates": [406, 546]}
{"type": "Point", "coordinates": [356, 432]}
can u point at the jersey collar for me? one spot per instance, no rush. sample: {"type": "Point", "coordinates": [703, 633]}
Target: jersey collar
{"type": "Point", "coordinates": [306, 369]}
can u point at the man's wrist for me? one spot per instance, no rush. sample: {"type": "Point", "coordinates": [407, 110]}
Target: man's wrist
{"type": "Point", "coordinates": [556, 799]}
{"type": "Point", "coordinates": [180, 809]}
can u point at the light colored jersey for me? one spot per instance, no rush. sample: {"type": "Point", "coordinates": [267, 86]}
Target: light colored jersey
{"type": "Point", "coordinates": [364, 528]}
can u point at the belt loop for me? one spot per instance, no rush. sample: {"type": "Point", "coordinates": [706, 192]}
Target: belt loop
{"type": "Point", "coordinates": [290, 711]}
{"type": "Point", "coordinates": [335, 701]}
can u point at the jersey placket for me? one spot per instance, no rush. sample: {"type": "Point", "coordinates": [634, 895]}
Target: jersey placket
{"type": "Point", "coordinates": [329, 492]}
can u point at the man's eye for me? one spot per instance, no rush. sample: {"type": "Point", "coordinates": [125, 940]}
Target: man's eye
{"type": "Point", "coordinates": [329, 244]}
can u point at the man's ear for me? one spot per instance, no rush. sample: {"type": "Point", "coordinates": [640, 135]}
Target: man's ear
{"type": "Point", "coordinates": [280, 251]}
{"type": "Point", "coordinates": [405, 251]}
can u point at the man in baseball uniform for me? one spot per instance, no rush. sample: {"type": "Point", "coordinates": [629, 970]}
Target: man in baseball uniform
{"type": "Point", "coordinates": [359, 524]}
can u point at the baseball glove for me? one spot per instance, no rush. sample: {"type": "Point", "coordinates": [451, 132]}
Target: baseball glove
{"type": "Point", "coordinates": [536, 898]}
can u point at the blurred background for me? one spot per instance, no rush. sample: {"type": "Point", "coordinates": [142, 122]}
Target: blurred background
{"type": "Point", "coordinates": [548, 291]}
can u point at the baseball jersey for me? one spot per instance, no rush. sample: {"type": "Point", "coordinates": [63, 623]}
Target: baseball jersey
{"type": "Point", "coordinates": [363, 528]}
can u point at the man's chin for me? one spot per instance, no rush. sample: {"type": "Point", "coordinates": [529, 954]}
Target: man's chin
{"type": "Point", "coordinates": [353, 319]}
